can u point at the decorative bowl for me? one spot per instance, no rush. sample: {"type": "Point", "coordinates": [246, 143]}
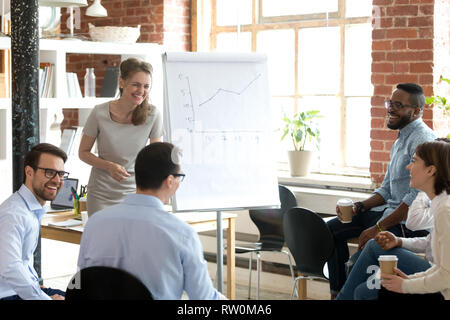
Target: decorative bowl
{"type": "Point", "coordinates": [114, 34]}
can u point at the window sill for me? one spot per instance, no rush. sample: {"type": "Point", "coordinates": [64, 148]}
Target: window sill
{"type": "Point", "coordinates": [327, 181]}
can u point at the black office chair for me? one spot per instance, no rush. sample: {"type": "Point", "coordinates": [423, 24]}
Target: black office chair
{"type": "Point", "coordinates": [106, 283]}
{"type": "Point", "coordinates": [271, 235]}
{"type": "Point", "coordinates": [310, 241]}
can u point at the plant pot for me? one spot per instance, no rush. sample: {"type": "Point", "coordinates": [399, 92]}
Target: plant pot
{"type": "Point", "coordinates": [300, 162]}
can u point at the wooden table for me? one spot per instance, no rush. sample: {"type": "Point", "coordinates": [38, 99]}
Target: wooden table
{"type": "Point", "coordinates": [200, 221]}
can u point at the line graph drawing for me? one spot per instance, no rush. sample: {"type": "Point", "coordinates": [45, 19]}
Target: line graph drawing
{"type": "Point", "coordinates": [221, 90]}
{"type": "Point", "coordinates": [191, 105]}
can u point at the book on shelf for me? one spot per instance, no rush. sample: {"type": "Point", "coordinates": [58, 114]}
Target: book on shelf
{"type": "Point", "coordinates": [110, 85]}
{"type": "Point", "coordinates": [73, 85]}
{"type": "Point", "coordinates": [46, 80]}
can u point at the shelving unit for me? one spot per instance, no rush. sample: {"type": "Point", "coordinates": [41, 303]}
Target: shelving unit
{"type": "Point", "coordinates": [55, 51]}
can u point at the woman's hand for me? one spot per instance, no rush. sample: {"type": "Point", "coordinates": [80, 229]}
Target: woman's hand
{"type": "Point", "coordinates": [393, 282]}
{"type": "Point", "coordinates": [117, 172]}
{"type": "Point", "coordinates": [387, 240]}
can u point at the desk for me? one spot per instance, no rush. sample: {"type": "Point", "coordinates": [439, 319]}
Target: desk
{"type": "Point", "coordinates": [200, 221]}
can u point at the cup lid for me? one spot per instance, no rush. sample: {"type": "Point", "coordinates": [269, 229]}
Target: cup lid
{"type": "Point", "coordinates": [387, 258]}
{"type": "Point", "coordinates": [345, 202]}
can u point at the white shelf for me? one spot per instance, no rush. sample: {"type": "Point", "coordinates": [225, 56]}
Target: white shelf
{"type": "Point", "coordinates": [55, 51]}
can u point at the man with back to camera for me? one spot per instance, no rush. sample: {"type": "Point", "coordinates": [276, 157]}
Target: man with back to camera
{"type": "Point", "coordinates": [142, 238]}
{"type": "Point", "coordinates": [20, 222]}
{"type": "Point", "coordinates": [388, 206]}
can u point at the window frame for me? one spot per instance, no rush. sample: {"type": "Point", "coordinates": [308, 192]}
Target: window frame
{"type": "Point", "coordinates": [295, 23]}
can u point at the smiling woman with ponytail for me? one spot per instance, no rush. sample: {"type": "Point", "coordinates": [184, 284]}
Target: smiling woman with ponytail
{"type": "Point", "coordinates": [121, 128]}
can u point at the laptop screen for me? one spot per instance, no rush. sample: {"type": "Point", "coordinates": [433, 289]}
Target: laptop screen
{"type": "Point", "coordinates": [64, 197]}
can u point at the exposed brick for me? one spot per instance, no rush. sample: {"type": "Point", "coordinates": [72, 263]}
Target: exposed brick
{"type": "Point", "coordinates": [421, 68]}
{"type": "Point", "coordinates": [401, 33]}
{"type": "Point", "coordinates": [381, 45]}
{"type": "Point", "coordinates": [410, 56]}
{"type": "Point", "coordinates": [376, 167]}
{"type": "Point", "coordinates": [400, 10]}
{"type": "Point", "coordinates": [399, 78]}
{"type": "Point", "coordinates": [378, 122]}
{"type": "Point", "coordinates": [401, 67]}
{"type": "Point", "coordinates": [382, 67]}
{"type": "Point", "coordinates": [399, 44]}
{"type": "Point", "coordinates": [383, 134]}
{"type": "Point", "coordinates": [379, 156]}
{"type": "Point", "coordinates": [420, 21]}
{"type": "Point", "coordinates": [420, 44]}
{"type": "Point", "coordinates": [376, 145]}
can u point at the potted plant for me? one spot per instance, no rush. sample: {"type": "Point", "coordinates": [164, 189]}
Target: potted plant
{"type": "Point", "coordinates": [301, 128]}
{"type": "Point", "coordinates": [440, 101]}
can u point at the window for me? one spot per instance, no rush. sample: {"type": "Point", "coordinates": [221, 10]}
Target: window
{"type": "Point", "coordinates": [319, 57]}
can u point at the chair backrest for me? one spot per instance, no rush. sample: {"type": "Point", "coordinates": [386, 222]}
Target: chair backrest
{"type": "Point", "coordinates": [106, 283]}
{"type": "Point", "coordinates": [309, 239]}
{"type": "Point", "coordinates": [270, 221]}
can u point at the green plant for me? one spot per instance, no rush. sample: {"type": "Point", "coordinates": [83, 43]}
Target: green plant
{"type": "Point", "coordinates": [441, 102]}
{"type": "Point", "coordinates": [301, 127]}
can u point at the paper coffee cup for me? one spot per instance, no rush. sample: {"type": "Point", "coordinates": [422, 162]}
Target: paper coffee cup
{"type": "Point", "coordinates": [387, 263]}
{"type": "Point", "coordinates": [346, 207]}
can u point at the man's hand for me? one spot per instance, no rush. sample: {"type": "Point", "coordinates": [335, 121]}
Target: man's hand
{"type": "Point", "coordinates": [366, 235]}
{"type": "Point", "coordinates": [57, 297]}
{"type": "Point", "coordinates": [387, 240]}
{"type": "Point", "coordinates": [339, 214]}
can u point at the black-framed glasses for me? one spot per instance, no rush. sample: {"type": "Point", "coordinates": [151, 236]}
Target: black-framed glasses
{"type": "Point", "coordinates": [181, 175]}
{"type": "Point", "coordinates": [51, 173]}
{"type": "Point", "coordinates": [396, 105]}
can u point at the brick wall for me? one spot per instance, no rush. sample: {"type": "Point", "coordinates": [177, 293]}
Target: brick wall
{"type": "Point", "coordinates": [166, 22]}
{"type": "Point", "coordinates": [403, 40]}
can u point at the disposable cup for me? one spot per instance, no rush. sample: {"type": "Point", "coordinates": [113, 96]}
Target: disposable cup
{"type": "Point", "coordinates": [387, 263]}
{"type": "Point", "coordinates": [346, 207]}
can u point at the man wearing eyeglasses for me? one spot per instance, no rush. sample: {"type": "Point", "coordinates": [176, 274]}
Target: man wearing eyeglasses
{"type": "Point", "coordinates": [142, 238]}
{"type": "Point", "coordinates": [20, 217]}
{"type": "Point", "coordinates": [388, 205]}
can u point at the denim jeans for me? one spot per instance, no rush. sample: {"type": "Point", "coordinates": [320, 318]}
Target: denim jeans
{"type": "Point", "coordinates": [341, 233]}
{"type": "Point", "coordinates": [362, 283]}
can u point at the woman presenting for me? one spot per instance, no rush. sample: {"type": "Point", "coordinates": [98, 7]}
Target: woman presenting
{"type": "Point", "coordinates": [121, 128]}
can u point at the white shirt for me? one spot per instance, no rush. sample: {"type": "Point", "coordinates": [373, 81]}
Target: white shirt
{"type": "Point", "coordinates": [436, 278]}
{"type": "Point", "coordinates": [20, 217]}
{"type": "Point", "coordinates": [420, 217]}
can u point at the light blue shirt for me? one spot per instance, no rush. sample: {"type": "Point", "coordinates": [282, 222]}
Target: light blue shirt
{"type": "Point", "coordinates": [20, 221]}
{"type": "Point", "coordinates": [140, 237]}
{"type": "Point", "coordinates": [395, 188]}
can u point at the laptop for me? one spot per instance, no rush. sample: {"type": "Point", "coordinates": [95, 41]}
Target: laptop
{"type": "Point", "coordinates": [64, 197]}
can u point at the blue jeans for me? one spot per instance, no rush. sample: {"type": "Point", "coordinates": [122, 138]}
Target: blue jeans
{"type": "Point", "coordinates": [341, 233]}
{"type": "Point", "coordinates": [49, 291]}
{"type": "Point", "coordinates": [361, 283]}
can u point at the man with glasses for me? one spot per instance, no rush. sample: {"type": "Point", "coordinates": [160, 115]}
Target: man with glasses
{"type": "Point", "coordinates": [388, 206]}
{"type": "Point", "coordinates": [20, 217]}
{"type": "Point", "coordinates": [142, 238]}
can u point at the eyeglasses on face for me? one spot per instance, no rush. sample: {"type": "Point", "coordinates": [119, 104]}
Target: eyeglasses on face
{"type": "Point", "coordinates": [181, 175]}
{"type": "Point", "coordinates": [396, 105]}
{"type": "Point", "coordinates": [51, 173]}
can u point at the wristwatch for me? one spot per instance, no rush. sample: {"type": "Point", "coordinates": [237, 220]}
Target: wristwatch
{"type": "Point", "coordinates": [359, 207]}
